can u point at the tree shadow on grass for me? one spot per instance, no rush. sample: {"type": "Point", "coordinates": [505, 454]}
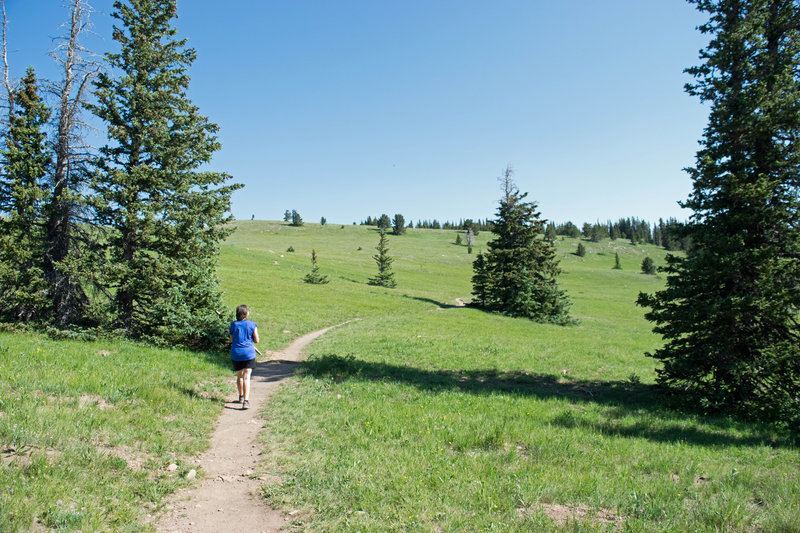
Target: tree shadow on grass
{"type": "Point", "coordinates": [430, 301]}
{"type": "Point", "coordinates": [632, 406]}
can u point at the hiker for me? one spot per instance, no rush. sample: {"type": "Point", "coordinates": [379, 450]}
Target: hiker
{"type": "Point", "coordinates": [243, 334]}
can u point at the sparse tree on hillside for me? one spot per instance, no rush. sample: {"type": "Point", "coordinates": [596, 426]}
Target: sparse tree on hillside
{"type": "Point", "coordinates": [385, 277]}
{"type": "Point", "coordinates": [648, 266]}
{"type": "Point", "coordinates": [459, 241]}
{"type": "Point", "coordinates": [581, 250]}
{"type": "Point", "coordinates": [399, 224]}
{"type": "Point", "coordinates": [23, 286]}
{"type": "Point", "coordinates": [314, 276]}
{"type": "Point", "coordinates": [617, 265]}
{"type": "Point", "coordinates": [322, 221]}
{"type": "Point", "coordinates": [384, 222]}
{"type": "Point", "coordinates": [729, 310]}
{"type": "Point", "coordinates": [164, 218]}
{"type": "Point", "coordinates": [517, 276]}
{"type": "Point", "coordinates": [287, 216]}
{"type": "Point", "coordinates": [297, 220]}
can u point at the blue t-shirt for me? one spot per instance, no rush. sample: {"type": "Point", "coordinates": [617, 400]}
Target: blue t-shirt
{"type": "Point", "coordinates": [242, 348]}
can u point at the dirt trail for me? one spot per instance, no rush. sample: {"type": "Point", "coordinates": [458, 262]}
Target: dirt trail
{"type": "Point", "coordinates": [227, 497]}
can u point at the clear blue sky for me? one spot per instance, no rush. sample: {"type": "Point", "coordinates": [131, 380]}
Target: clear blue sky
{"type": "Point", "coordinates": [347, 108]}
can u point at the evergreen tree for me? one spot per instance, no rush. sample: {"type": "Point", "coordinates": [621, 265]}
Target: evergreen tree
{"type": "Point", "coordinates": [165, 219]}
{"type": "Point", "coordinates": [322, 221]}
{"type": "Point", "coordinates": [385, 277]}
{"type": "Point", "coordinates": [399, 224]}
{"type": "Point", "coordinates": [314, 276]}
{"type": "Point", "coordinates": [518, 273]}
{"type": "Point", "coordinates": [287, 216]}
{"type": "Point", "coordinates": [297, 220]}
{"type": "Point", "coordinates": [383, 222]}
{"type": "Point", "coordinates": [648, 266]}
{"type": "Point", "coordinates": [459, 241]}
{"type": "Point", "coordinates": [550, 233]}
{"type": "Point", "coordinates": [617, 265]}
{"type": "Point", "coordinates": [729, 310]}
{"type": "Point", "coordinates": [23, 286]}
{"type": "Point", "coordinates": [581, 250]}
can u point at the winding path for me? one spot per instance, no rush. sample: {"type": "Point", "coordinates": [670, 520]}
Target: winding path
{"type": "Point", "coordinates": [227, 497]}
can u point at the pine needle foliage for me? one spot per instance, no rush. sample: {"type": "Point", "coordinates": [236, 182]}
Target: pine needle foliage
{"type": "Point", "coordinates": [729, 310]}
{"type": "Point", "coordinates": [517, 276]}
{"type": "Point", "coordinates": [165, 219]}
{"type": "Point", "coordinates": [23, 286]}
{"type": "Point", "coordinates": [385, 276]}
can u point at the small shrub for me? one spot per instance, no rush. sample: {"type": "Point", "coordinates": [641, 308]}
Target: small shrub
{"type": "Point", "coordinates": [290, 249]}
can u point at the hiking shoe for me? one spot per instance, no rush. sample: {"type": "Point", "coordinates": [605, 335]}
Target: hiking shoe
{"type": "Point", "coordinates": [241, 399]}
{"type": "Point", "coordinates": [245, 405]}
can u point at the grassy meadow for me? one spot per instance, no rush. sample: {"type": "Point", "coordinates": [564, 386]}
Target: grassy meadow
{"type": "Point", "coordinates": [422, 416]}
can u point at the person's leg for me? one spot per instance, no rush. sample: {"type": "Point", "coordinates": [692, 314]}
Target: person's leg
{"type": "Point", "coordinates": [240, 381]}
{"type": "Point", "coordinates": [246, 383]}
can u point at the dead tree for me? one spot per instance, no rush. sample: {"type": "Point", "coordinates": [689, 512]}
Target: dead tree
{"type": "Point", "coordinates": [65, 211]}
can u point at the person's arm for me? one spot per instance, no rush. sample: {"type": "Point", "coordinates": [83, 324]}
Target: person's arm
{"type": "Point", "coordinates": [255, 335]}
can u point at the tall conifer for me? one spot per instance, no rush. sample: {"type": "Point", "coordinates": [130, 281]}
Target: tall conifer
{"type": "Point", "coordinates": [23, 287]}
{"type": "Point", "coordinates": [165, 218]}
{"type": "Point", "coordinates": [729, 312]}
{"type": "Point", "coordinates": [517, 275]}
{"type": "Point", "coordinates": [385, 276]}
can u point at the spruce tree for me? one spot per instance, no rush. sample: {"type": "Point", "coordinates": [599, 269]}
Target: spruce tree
{"type": "Point", "coordinates": [314, 276]}
{"type": "Point", "coordinates": [297, 220]}
{"type": "Point", "coordinates": [287, 216]}
{"type": "Point", "coordinates": [383, 222]}
{"type": "Point", "coordinates": [648, 266]}
{"type": "Point", "coordinates": [517, 276]}
{"type": "Point", "coordinates": [729, 310]}
{"type": "Point", "coordinates": [399, 224]}
{"type": "Point", "coordinates": [165, 219]}
{"type": "Point", "coordinates": [581, 250]}
{"type": "Point", "coordinates": [459, 240]}
{"type": "Point", "coordinates": [23, 286]}
{"type": "Point", "coordinates": [617, 265]}
{"type": "Point", "coordinates": [385, 276]}
{"type": "Point", "coordinates": [322, 221]}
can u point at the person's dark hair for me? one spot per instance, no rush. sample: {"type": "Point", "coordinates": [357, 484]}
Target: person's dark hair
{"type": "Point", "coordinates": [241, 312]}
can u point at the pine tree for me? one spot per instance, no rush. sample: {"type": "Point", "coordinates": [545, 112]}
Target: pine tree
{"type": "Point", "coordinates": [383, 222]}
{"type": "Point", "coordinates": [322, 221]}
{"type": "Point", "coordinates": [385, 277]}
{"type": "Point", "coordinates": [297, 220]}
{"type": "Point", "coordinates": [459, 240]}
{"type": "Point", "coordinates": [617, 265]}
{"type": "Point", "coordinates": [23, 286]}
{"type": "Point", "coordinates": [399, 224]}
{"type": "Point", "coordinates": [314, 276]}
{"type": "Point", "coordinates": [729, 310]}
{"type": "Point", "coordinates": [287, 216]}
{"type": "Point", "coordinates": [165, 218]}
{"type": "Point", "coordinates": [581, 250]}
{"type": "Point", "coordinates": [517, 276]}
{"type": "Point", "coordinates": [648, 266]}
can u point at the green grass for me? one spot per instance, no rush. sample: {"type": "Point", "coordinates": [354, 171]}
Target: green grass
{"type": "Point", "coordinates": [87, 429]}
{"type": "Point", "coordinates": [420, 417]}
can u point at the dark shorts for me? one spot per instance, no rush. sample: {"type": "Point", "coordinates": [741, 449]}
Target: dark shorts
{"type": "Point", "coordinates": [238, 365]}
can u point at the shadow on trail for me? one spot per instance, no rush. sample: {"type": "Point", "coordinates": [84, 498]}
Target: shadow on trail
{"type": "Point", "coordinates": [634, 409]}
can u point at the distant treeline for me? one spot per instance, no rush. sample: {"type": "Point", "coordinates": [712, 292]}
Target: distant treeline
{"type": "Point", "coordinates": [663, 233]}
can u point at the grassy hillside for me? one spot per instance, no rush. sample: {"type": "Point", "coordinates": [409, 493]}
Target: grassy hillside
{"type": "Point", "coordinates": [422, 416]}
